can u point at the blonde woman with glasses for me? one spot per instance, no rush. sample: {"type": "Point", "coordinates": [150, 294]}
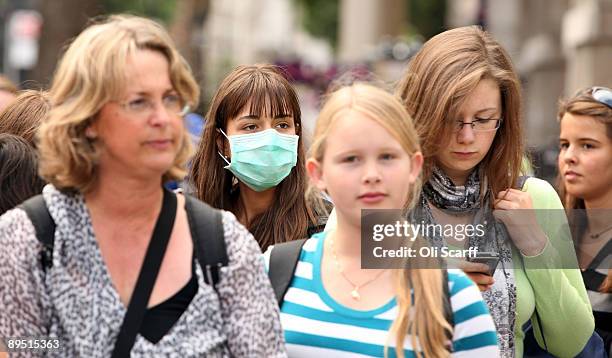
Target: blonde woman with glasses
{"type": "Point", "coordinates": [122, 273]}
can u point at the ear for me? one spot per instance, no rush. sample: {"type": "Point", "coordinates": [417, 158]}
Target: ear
{"type": "Point", "coordinates": [416, 164]}
{"type": "Point", "coordinates": [221, 147]}
{"type": "Point", "coordinates": [315, 172]}
{"type": "Point", "coordinates": [91, 132]}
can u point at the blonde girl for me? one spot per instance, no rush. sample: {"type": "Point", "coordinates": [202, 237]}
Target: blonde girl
{"type": "Point", "coordinates": [365, 155]}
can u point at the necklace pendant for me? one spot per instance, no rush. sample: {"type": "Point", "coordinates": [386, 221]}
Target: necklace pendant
{"type": "Point", "coordinates": [355, 295]}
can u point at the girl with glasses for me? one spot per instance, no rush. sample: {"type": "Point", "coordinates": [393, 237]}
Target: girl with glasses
{"type": "Point", "coordinates": [464, 95]}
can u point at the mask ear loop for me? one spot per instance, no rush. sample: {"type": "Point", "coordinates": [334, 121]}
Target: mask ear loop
{"type": "Point", "coordinates": [221, 155]}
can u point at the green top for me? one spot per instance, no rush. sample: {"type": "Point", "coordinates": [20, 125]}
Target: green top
{"type": "Point", "coordinates": [558, 292]}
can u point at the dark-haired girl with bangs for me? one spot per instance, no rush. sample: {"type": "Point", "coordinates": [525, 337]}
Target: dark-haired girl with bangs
{"type": "Point", "coordinates": [251, 157]}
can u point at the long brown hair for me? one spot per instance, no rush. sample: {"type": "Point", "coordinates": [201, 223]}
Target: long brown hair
{"type": "Point", "coordinates": [266, 90]}
{"type": "Point", "coordinates": [421, 318]}
{"type": "Point", "coordinates": [583, 104]}
{"type": "Point", "coordinates": [438, 80]}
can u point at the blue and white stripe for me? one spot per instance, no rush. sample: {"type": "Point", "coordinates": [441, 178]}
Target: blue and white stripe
{"type": "Point", "coordinates": [315, 325]}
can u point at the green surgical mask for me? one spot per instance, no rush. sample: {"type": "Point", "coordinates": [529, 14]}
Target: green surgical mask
{"type": "Point", "coordinates": [262, 160]}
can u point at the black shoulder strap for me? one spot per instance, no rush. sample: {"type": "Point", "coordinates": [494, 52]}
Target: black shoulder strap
{"type": "Point", "coordinates": [283, 261]}
{"type": "Point", "coordinates": [206, 226]}
{"type": "Point", "coordinates": [520, 182]}
{"type": "Point", "coordinates": [146, 278]}
{"type": "Point", "coordinates": [43, 223]}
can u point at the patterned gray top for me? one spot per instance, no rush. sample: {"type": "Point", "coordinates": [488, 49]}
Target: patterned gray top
{"type": "Point", "coordinates": [75, 301]}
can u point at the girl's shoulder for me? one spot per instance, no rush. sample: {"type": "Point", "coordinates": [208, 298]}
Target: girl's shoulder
{"type": "Point", "coordinates": [307, 249]}
{"type": "Point", "coordinates": [543, 195]}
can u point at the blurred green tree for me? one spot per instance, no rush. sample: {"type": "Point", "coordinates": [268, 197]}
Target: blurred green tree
{"type": "Point", "coordinates": [162, 10]}
{"type": "Point", "coordinates": [427, 16]}
{"type": "Point", "coordinates": [320, 18]}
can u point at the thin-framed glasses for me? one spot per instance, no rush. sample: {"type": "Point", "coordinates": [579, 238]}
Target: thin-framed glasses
{"type": "Point", "coordinates": [143, 106]}
{"type": "Point", "coordinates": [479, 125]}
{"type": "Point", "coordinates": [602, 95]}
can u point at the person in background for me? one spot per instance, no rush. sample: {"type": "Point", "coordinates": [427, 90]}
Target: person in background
{"type": "Point", "coordinates": [19, 178]}
{"type": "Point", "coordinates": [464, 95]}
{"type": "Point", "coordinates": [365, 155]}
{"type": "Point", "coordinates": [25, 114]}
{"type": "Point", "coordinates": [585, 183]}
{"type": "Point", "coordinates": [8, 92]}
{"type": "Point", "coordinates": [251, 157]}
{"type": "Point", "coordinates": [113, 137]}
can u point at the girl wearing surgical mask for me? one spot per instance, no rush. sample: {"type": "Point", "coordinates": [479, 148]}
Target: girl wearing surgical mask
{"type": "Point", "coordinates": [251, 157]}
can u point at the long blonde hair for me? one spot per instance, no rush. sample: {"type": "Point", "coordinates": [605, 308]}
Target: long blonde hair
{"type": "Point", "coordinates": [438, 80]}
{"type": "Point", "coordinates": [91, 73]}
{"type": "Point", "coordinates": [423, 319]}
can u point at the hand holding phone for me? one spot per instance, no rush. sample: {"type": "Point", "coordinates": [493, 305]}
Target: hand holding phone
{"type": "Point", "coordinates": [489, 258]}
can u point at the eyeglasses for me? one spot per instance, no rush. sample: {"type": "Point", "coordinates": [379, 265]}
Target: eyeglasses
{"type": "Point", "coordinates": [144, 107]}
{"type": "Point", "coordinates": [602, 95]}
{"type": "Point", "coordinates": [479, 125]}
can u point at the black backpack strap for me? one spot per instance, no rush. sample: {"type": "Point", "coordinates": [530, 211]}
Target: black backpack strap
{"type": "Point", "coordinates": [206, 226]}
{"type": "Point", "coordinates": [520, 182]}
{"type": "Point", "coordinates": [283, 261]}
{"type": "Point", "coordinates": [43, 223]}
{"type": "Point", "coordinates": [146, 277]}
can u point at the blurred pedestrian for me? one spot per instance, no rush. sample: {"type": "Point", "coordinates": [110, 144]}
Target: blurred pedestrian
{"type": "Point", "coordinates": [25, 114]}
{"type": "Point", "coordinates": [19, 178]}
{"type": "Point", "coordinates": [585, 183]}
{"type": "Point", "coordinates": [8, 91]}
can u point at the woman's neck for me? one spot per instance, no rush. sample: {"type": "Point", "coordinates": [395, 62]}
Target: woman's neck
{"type": "Point", "coordinates": [124, 196]}
{"type": "Point", "coordinates": [599, 202]}
{"type": "Point", "coordinates": [598, 212]}
{"type": "Point", "coordinates": [254, 202]}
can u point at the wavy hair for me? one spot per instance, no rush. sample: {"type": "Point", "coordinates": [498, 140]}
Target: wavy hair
{"type": "Point", "coordinates": [91, 73]}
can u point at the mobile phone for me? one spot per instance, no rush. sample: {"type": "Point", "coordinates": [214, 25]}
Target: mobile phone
{"type": "Point", "coordinates": [489, 258]}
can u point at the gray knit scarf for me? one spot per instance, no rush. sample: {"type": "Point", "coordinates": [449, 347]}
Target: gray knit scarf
{"type": "Point", "coordinates": [501, 297]}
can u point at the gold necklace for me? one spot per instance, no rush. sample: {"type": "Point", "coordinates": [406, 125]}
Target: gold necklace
{"type": "Point", "coordinates": [355, 291]}
{"type": "Point", "coordinates": [596, 235]}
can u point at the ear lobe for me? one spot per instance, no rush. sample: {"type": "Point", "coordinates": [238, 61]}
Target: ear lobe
{"type": "Point", "coordinates": [221, 146]}
{"type": "Point", "coordinates": [416, 164]}
{"type": "Point", "coordinates": [91, 133]}
{"type": "Point", "coordinates": [313, 167]}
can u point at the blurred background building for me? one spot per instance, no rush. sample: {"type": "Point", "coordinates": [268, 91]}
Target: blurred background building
{"type": "Point", "coordinates": [558, 46]}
